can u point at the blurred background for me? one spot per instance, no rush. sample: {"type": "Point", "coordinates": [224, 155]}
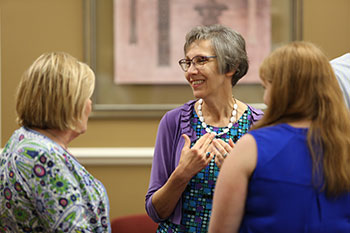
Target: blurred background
{"type": "Point", "coordinates": [117, 148]}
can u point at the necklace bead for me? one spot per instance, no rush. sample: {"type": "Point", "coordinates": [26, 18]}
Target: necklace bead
{"type": "Point", "coordinates": [204, 125]}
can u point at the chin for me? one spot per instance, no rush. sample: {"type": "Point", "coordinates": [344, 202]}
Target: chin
{"type": "Point", "coordinates": [197, 95]}
{"type": "Point", "coordinates": [82, 131]}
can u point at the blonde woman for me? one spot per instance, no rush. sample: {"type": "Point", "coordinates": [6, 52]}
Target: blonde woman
{"type": "Point", "coordinates": [43, 187]}
{"type": "Point", "coordinates": [291, 173]}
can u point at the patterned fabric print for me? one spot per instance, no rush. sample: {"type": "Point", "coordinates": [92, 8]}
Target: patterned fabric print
{"type": "Point", "coordinates": [198, 196]}
{"type": "Point", "coordinates": [44, 189]}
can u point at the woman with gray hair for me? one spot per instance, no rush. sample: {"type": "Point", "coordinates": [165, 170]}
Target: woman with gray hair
{"type": "Point", "coordinates": [43, 187]}
{"type": "Point", "coordinates": [193, 140]}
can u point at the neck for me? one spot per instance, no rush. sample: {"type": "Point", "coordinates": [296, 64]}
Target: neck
{"type": "Point", "coordinates": [215, 116]}
{"type": "Point", "coordinates": [61, 137]}
{"type": "Point", "coordinates": [218, 110]}
{"type": "Point", "coordinates": [300, 124]}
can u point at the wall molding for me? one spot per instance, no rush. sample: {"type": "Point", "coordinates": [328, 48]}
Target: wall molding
{"type": "Point", "coordinates": [113, 155]}
{"type": "Point", "coordinates": [97, 156]}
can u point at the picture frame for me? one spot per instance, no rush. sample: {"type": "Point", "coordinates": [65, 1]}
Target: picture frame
{"type": "Point", "coordinates": [111, 100]}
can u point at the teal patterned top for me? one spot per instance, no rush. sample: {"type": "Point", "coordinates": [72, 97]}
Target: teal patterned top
{"type": "Point", "coordinates": [198, 195]}
{"type": "Point", "coordinates": [44, 189]}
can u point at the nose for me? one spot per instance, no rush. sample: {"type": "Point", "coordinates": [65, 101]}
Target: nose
{"type": "Point", "coordinates": [192, 68]}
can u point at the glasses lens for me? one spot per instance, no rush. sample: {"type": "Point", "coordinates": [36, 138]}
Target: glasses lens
{"type": "Point", "coordinates": [184, 64]}
{"type": "Point", "coordinates": [200, 60]}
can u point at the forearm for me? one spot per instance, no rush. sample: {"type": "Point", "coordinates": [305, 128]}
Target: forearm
{"type": "Point", "coordinates": [232, 187]}
{"type": "Point", "coordinates": [228, 213]}
{"type": "Point", "coordinates": [166, 198]}
{"type": "Point", "coordinates": [229, 200]}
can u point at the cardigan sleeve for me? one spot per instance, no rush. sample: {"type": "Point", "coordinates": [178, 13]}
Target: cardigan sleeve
{"type": "Point", "coordinates": [167, 153]}
{"type": "Point", "coordinates": [257, 114]}
{"type": "Point", "coordinates": [163, 162]}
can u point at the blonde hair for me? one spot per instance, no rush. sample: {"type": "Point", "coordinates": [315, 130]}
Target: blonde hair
{"type": "Point", "coordinates": [304, 86]}
{"type": "Point", "coordinates": [53, 91]}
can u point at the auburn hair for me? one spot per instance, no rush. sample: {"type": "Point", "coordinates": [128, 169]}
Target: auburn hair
{"type": "Point", "coordinates": [304, 87]}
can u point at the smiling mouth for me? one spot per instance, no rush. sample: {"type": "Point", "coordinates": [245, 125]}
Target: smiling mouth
{"type": "Point", "coordinates": [197, 82]}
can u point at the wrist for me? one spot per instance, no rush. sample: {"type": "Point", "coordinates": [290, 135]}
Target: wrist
{"type": "Point", "coordinates": [181, 176]}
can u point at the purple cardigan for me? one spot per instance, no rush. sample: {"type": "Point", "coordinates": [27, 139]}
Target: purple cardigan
{"type": "Point", "coordinates": [168, 149]}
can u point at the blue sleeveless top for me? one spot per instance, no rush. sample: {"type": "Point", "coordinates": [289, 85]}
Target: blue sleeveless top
{"type": "Point", "coordinates": [281, 194]}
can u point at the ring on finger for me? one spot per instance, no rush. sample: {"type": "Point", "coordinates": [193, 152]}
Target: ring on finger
{"type": "Point", "coordinates": [225, 155]}
{"type": "Point", "coordinates": [207, 154]}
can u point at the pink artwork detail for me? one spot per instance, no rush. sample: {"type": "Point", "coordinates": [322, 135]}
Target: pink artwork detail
{"type": "Point", "coordinates": [149, 35]}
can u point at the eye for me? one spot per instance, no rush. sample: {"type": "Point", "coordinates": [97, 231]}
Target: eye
{"type": "Point", "coordinates": [200, 60]}
{"type": "Point", "coordinates": [184, 62]}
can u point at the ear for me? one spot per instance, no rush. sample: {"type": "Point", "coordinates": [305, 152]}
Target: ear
{"type": "Point", "coordinates": [230, 74]}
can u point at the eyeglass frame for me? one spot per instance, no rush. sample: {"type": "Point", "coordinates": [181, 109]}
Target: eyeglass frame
{"type": "Point", "coordinates": [182, 61]}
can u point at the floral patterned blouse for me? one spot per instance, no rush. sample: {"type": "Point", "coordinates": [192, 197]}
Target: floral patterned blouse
{"type": "Point", "coordinates": [44, 189]}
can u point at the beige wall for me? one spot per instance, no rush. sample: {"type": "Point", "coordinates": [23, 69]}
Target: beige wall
{"type": "Point", "coordinates": [29, 28]}
{"type": "Point", "coordinates": [327, 23]}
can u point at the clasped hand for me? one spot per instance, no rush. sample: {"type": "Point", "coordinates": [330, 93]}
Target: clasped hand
{"type": "Point", "coordinates": [203, 151]}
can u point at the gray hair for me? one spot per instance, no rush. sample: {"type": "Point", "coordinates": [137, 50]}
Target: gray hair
{"type": "Point", "coordinates": [228, 45]}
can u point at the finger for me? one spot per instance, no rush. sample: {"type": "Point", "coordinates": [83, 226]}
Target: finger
{"type": "Point", "coordinates": [207, 141]}
{"type": "Point", "coordinates": [218, 143]}
{"type": "Point", "coordinates": [212, 148]}
{"type": "Point", "coordinates": [222, 146]}
{"type": "Point", "coordinates": [199, 143]}
{"type": "Point", "coordinates": [210, 157]}
{"type": "Point", "coordinates": [221, 155]}
{"type": "Point", "coordinates": [211, 151]}
{"type": "Point", "coordinates": [187, 141]}
{"type": "Point", "coordinates": [231, 143]}
{"type": "Point", "coordinates": [215, 151]}
{"type": "Point", "coordinates": [219, 160]}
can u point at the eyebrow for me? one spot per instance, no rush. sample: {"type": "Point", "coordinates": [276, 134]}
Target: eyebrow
{"type": "Point", "coordinates": [201, 55]}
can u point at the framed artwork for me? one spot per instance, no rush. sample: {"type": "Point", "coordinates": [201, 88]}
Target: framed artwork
{"type": "Point", "coordinates": [149, 35]}
{"type": "Point", "coordinates": [134, 47]}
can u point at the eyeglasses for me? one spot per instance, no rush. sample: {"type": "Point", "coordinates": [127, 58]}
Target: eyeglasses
{"type": "Point", "coordinates": [197, 61]}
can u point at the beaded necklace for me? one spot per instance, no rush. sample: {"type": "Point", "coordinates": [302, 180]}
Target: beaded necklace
{"type": "Point", "coordinates": [227, 128]}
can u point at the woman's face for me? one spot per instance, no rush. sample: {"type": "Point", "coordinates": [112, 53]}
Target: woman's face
{"type": "Point", "coordinates": [82, 127]}
{"type": "Point", "coordinates": [267, 90]}
{"type": "Point", "coordinates": [205, 79]}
